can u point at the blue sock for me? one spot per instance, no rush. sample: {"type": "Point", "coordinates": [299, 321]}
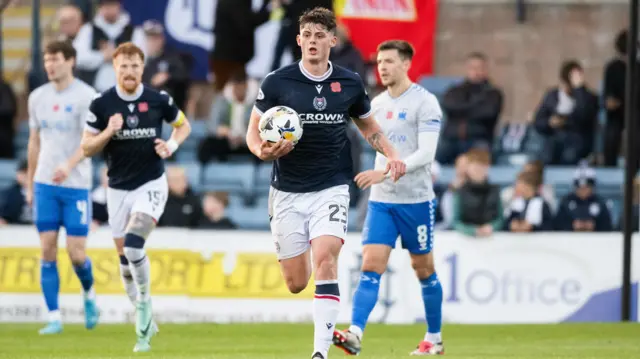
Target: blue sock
{"type": "Point", "coordinates": [50, 283]}
{"type": "Point", "coordinates": [365, 298]}
{"type": "Point", "coordinates": [85, 274]}
{"type": "Point", "coordinates": [432, 297]}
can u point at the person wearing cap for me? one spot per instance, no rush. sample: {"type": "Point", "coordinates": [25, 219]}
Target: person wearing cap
{"type": "Point", "coordinates": [97, 40]}
{"type": "Point", "coordinates": [583, 210]}
{"type": "Point", "coordinates": [165, 69]}
{"type": "Point", "coordinates": [13, 207]}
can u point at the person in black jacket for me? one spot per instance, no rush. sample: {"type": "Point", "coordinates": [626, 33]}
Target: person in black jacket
{"type": "Point", "coordinates": [235, 27]}
{"type": "Point", "coordinates": [164, 68]}
{"type": "Point", "coordinates": [567, 117]}
{"type": "Point", "coordinates": [583, 210]}
{"type": "Point", "coordinates": [183, 206]}
{"type": "Point", "coordinates": [14, 208]}
{"type": "Point", "coordinates": [472, 110]}
{"type": "Point", "coordinates": [213, 206]}
{"type": "Point", "coordinates": [614, 97]}
{"type": "Point", "coordinates": [8, 110]}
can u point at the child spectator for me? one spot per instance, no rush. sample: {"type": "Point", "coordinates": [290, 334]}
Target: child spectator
{"type": "Point", "coordinates": [528, 211]}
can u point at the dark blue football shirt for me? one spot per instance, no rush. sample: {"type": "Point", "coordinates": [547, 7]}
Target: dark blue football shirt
{"type": "Point", "coordinates": [322, 158]}
{"type": "Point", "coordinates": [131, 156]}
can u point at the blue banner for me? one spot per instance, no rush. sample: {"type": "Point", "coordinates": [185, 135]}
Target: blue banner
{"type": "Point", "coordinates": [188, 26]}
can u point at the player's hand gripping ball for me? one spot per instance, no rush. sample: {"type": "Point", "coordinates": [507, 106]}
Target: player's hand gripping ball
{"type": "Point", "coordinates": [280, 122]}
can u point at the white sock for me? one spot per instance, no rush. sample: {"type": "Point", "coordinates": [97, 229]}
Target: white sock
{"type": "Point", "coordinates": [433, 338]}
{"type": "Point", "coordinates": [140, 270]}
{"type": "Point", "coordinates": [55, 316]}
{"type": "Point", "coordinates": [357, 331]}
{"type": "Point", "coordinates": [326, 307]}
{"type": "Point", "coordinates": [129, 285]}
{"type": "Point", "coordinates": [90, 294]}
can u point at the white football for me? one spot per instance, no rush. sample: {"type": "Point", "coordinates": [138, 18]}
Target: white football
{"type": "Point", "coordinates": [280, 122]}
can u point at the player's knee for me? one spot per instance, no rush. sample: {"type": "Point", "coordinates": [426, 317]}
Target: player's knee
{"type": "Point", "coordinates": [326, 267]}
{"type": "Point", "coordinates": [49, 245]}
{"type": "Point", "coordinates": [133, 247]}
{"type": "Point", "coordinates": [296, 284]}
{"type": "Point", "coordinates": [77, 255]}
{"type": "Point", "coordinates": [423, 266]}
{"type": "Point", "coordinates": [373, 265]}
{"type": "Point", "coordinates": [49, 253]}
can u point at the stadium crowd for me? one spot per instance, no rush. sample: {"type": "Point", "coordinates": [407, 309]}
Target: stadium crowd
{"type": "Point", "coordinates": [563, 131]}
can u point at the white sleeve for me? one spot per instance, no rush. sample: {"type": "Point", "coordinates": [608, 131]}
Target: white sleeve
{"type": "Point", "coordinates": [87, 58]}
{"type": "Point", "coordinates": [429, 122]}
{"type": "Point", "coordinates": [33, 120]}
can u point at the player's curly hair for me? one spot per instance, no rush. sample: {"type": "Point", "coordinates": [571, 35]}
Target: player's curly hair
{"type": "Point", "coordinates": [128, 49]}
{"type": "Point", "coordinates": [321, 16]}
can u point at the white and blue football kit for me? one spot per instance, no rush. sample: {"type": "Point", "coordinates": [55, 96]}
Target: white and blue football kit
{"type": "Point", "coordinates": [58, 119]}
{"type": "Point", "coordinates": [405, 208]}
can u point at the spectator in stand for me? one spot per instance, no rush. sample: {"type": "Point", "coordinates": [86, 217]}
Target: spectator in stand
{"type": "Point", "coordinates": [14, 208]}
{"type": "Point", "coordinates": [8, 110]}
{"type": "Point", "coordinates": [70, 20]}
{"type": "Point", "coordinates": [229, 121]}
{"type": "Point", "coordinates": [446, 201]}
{"type": "Point", "coordinates": [477, 210]}
{"type": "Point", "coordinates": [567, 117]}
{"type": "Point", "coordinates": [183, 206]}
{"type": "Point", "coordinates": [614, 96]}
{"type": "Point", "coordinates": [235, 27]}
{"type": "Point", "coordinates": [583, 210]}
{"type": "Point", "coordinates": [472, 110]}
{"type": "Point", "coordinates": [98, 39]}
{"type": "Point", "coordinates": [346, 55]}
{"type": "Point", "coordinates": [164, 68]}
{"type": "Point", "coordinates": [528, 211]}
{"type": "Point", "coordinates": [547, 192]}
{"type": "Point", "coordinates": [99, 201]}
{"type": "Point", "coordinates": [214, 205]}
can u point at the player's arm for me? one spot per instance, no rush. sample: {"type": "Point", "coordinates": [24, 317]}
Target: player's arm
{"type": "Point", "coordinates": [372, 132]}
{"type": "Point", "coordinates": [181, 128]}
{"type": "Point", "coordinates": [429, 123]}
{"type": "Point", "coordinates": [97, 131]}
{"type": "Point", "coordinates": [33, 147]}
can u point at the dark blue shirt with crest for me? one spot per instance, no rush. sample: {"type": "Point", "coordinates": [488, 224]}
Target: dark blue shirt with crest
{"type": "Point", "coordinates": [131, 156]}
{"type": "Point", "coordinates": [325, 104]}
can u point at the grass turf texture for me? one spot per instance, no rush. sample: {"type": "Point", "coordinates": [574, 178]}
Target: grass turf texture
{"type": "Point", "coordinates": [285, 341]}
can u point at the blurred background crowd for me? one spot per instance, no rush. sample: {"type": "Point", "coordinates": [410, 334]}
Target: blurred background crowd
{"type": "Point", "coordinates": [528, 143]}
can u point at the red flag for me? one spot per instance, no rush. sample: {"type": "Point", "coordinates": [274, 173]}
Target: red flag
{"type": "Point", "coordinates": [371, 22]}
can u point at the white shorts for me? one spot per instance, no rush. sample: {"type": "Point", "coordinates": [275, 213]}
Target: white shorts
{"type": "Point", "coordinates": [297, 218]}
{"type": "Point", "coordinates": [150, 198]}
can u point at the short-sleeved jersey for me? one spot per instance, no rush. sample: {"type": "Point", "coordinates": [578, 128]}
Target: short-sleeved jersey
{"type": "Point", "coordinates": [401, 120]}
{"type": "Point", "coordinates": [325, 104]}
{"type": "Point", "coordinates": [130, 155]}
{"type": "Point", "coordinates": [59, 118]}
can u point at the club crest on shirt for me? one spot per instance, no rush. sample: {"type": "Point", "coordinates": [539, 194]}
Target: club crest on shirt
{"type": "Point", "coordinates": [320, 103]}
{"type": "Point", "coordinates": [132, 121]}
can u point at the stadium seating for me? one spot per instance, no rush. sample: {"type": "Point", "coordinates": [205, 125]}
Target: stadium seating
{"type": "Point", "coordinates": [438, 85]}
{"type": "Point", "coordinates": [7, 172]}
{"type": "Point", "coordinates": [236, 178]}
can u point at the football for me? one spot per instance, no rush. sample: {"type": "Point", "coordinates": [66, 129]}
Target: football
{"type": "Point", "coordinates": [280, 122]}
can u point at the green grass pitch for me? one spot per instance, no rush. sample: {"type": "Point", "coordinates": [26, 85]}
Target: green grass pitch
{"type": "Point", "coordinates": [288, 341]}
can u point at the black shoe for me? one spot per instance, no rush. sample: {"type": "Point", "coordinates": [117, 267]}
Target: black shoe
{"type": "Point", "coordinates": [317, 355]}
